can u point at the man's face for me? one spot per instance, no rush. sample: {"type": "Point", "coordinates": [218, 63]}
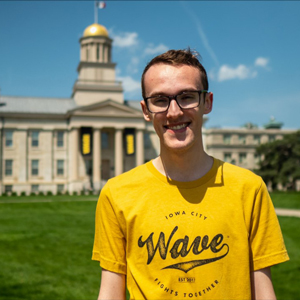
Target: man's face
{"type": "Point", "coordinates": [178, 130]}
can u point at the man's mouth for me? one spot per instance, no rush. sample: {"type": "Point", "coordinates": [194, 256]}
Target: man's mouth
{"type": "Point", "coordinates": [177, 126]}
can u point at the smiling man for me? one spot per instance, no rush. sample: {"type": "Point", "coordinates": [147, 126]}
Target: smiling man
{"type": "Point", "coordinates": [185, 225]}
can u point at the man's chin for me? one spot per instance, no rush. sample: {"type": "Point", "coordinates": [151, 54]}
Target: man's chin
{"type": "Point", "coordinates": [177, 146]}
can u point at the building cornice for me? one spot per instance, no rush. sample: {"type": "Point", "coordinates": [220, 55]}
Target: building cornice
{"type": "Point", "coordinates": [102, 65]}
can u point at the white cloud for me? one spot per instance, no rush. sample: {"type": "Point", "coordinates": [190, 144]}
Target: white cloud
{"type": "Point", "coordinates": [150, 50]}
{"type": "Point", "coordinates": [129, 84]}
{"type": "Point", "coordinates": [240, 72]}
{"type": "Point", "coordinates": [126, 39]}
{"type": "Point", "coordinates": [261, 62]}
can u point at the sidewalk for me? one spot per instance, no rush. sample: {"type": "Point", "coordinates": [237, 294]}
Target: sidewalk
{"type": "Point", "coordinates": [288, 212]}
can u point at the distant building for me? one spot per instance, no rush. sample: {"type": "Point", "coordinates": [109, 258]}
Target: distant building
{"type": "Point", "coordinates": [237, 145]}
{"type": "Point", "coordinates": [76, 144]}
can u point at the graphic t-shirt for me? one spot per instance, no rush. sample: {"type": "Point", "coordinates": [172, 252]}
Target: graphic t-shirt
{"type": "Point", "coordinates": [187, 240]}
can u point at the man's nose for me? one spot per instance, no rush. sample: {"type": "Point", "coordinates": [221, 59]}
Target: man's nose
{"type": "Point", "coordinates": [174, 108]}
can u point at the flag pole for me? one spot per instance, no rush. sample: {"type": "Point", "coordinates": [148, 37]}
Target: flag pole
{"type": "Point", "coordinates": [96, 12]}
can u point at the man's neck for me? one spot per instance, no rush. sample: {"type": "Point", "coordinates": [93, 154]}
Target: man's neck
{"type": "Point", "coordinates": [183, 167]}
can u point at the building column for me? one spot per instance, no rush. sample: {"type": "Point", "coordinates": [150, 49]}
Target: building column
{"type": "Point", "coordinates": [118, 152]}
{"type": "Point", "coordinates": [73, 154]}
{"type": "Point", "coordinates": [139, 147]}
{"type": "Point", "coordinates": [105, 53]}
{"type": "Point", "coordinates": [96, 159]}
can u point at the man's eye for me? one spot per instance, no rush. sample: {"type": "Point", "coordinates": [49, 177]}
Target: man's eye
{"type": "Point", "coordinates": [160, 100]}
{"type": "Point", "coordinates": [187, 97]}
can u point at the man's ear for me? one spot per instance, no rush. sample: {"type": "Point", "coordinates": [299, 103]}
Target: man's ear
{"type": "Point", "coordinates": [208, 104]}
{"type": "Point", "coordinates": [146, 113]}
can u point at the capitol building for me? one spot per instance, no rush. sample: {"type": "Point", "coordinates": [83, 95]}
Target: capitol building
{"type": "Point", "coordinates": [76, 144]}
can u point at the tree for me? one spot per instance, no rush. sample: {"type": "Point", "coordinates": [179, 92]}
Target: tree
{"type": "Point", "coordinates": [280, 161]}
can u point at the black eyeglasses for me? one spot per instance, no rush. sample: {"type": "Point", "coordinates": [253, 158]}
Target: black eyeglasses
{"type": "Point", "coordinates": [185, 100]}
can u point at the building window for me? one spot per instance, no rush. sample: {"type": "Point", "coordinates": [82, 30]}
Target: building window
{"type": "Point", "coordinates": [147, 141]}
{"type": "Point", "coordinates": [103, 53]}
{"type": "Point", "coordinates": [60, 167]}
{"type": "Point", "coordinates": [271, 138]}
{"type": "Point", "coordinates": [60, 139]}
{"type": "Point", "coordinates": [104, 140]}
{"type": "Point", "coordinates": [242, 139]}
{"type": "Point", "coordinates": [8, 188]}
{"type": "Point", "coordinates": [8, 167]}
{"type": "Point", "coordinates": [242, 158]}
{"type": "Point", "coordinates": [35, 138]}
{"type": "Point", "coordinates": [8, 138]}
{"type": "Point", "coordinates": [98, 52]}
{"type": "Point", "coordinates": [34, 188]}
{"type": "Point", "coordinates": [60, 188]}
{"type": "Point", "coordinates": [257, 140]}
{"type": "Point", "coordinates": [227, 157]}
{"type": "Point", "coordinates": [257, 158]}
{"type": "Point", "coordinates": [35, 167]}
{"type": "Point", "coordinates": [226, 138]}
{"type": "Point", "coordinates": [87, 53]}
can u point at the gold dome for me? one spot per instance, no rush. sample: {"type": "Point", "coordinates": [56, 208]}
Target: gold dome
{"type": "Point", "coordinates": [95, 30]}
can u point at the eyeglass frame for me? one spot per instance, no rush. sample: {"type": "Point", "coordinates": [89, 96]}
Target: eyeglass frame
{"type": "Point", "coordinates": [174, 97]}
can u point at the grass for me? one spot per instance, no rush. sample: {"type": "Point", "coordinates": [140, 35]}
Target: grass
{"type": "Point", "coordinates": [286, 199]}
{"type": "Point", "coordinates": [45, 251]}
{"type": "Point", "coordinates": [286, 276]}
{"type": "Point", "coordinates": [46, 246]}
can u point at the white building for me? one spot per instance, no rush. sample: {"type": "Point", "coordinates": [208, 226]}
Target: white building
{"type": "Point", "coordinates": [74, 144]}
{"type": "Point", "coordinates": [237, 145]}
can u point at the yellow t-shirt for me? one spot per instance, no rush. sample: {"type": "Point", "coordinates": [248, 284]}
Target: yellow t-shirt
{"type": "Point", "coordinates": [177, 240]}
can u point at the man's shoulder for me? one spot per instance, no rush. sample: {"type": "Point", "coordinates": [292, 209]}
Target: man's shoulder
{"type": "Point", "coordinates": [238, 174]}
{"type": "Point", "coordinates": [134, 175]}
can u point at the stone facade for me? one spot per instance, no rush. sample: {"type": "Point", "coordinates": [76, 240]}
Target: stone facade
{"type": "Point", "coordinates": [79, 152]}
{"type": "Point", "coordinates": [237, 145]}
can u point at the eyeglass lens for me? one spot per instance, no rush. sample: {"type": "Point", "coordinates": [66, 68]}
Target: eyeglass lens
{"type": "Point", "coordinates": [185, 100]}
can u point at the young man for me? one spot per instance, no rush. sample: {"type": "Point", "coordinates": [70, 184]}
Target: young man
{"type": "Point", "coordinates": [185, 225]}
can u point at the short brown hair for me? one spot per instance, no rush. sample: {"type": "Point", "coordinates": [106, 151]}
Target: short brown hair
{"type": "Point", "coordinates": [177, 57]}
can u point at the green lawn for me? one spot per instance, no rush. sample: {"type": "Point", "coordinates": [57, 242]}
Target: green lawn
{"type": "Point", "coordinates": [286, 200]}
{"type": "Point", "coordinates": [286, 276]}
{"type": "Point", "coordinates": [45, 249]}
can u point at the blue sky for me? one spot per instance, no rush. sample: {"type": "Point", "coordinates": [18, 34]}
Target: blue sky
{"type": "Point", "coordinates": [250, 49]}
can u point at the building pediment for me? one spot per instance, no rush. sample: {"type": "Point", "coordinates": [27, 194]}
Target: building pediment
{"type": "Point", "coordinates": [108, 108]}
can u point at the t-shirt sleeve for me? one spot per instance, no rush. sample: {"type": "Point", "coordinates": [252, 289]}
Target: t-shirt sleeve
{"type": "Point", "coordinates": [267, 246]}
{"type": "Point", "coordinates": [109, 242]}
